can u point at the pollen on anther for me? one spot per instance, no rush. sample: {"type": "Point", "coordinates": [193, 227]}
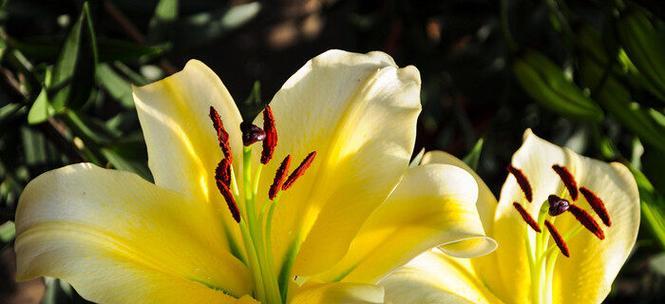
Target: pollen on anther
{"type": "Point", "coordinates": [597, 205]}
{"type": "Point", "coordinates": [587, 221]}
{"type": "Point", "coordinates": [522, 181]}
{"type": "Point", "coordinates": [298, 172]}
{"type": "Point", "coordinates": [567, 179]}
{"type": "Point", "coordinates": [526, 216]}
{"type": "Point", "coordinates": [280, 176]}
{"type": "Point", "coordinates": [223, 172]}
{"type": "Point", "coordinates": [270, 142]}
{"type": "Point", "coordinates": [222, 135]}
{"type": "Point", "coordinates": [558, 239]}
{"type": "Point", "coordinates": [230, 200]}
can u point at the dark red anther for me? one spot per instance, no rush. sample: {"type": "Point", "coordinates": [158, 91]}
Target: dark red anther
{"type": "Point", "coordinates": [587, 221]}
{"type": "Point", "coordinates": [567, 179]}
{"type": "Point", "coordinates": [522, 181]}
{"type": "Point", "coordinates": [270, 142]}
{"type": "Point", "coordinates": [557, 205]}
{"type": "Point", "coordinates": [526, 216]}
{"type": "Point", "coordinates": [222, 135]}
{"type": "Point", "coordinates": [280, 176]}
{"type": "Point", "coordinates": [597, 205]}
{"type": "Point", "coordinates": [223, 172]}
{"type": "Point", "coordinates": [230, 200]}
{"type": "Point", "coordinates": [298, 172]}
{"type": "Point", "coordinates": [558, 239]}
{"type": "Point", "coordinates": [251, 133]}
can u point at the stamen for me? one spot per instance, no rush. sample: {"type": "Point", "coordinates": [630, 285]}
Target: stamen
{"type": "Point", "coordinates": [558, 239]}
{"type": "Point", "coordinates": [526, 217]}
{"type": "Point", "coordinates": [222, 135]}
{"type": "Point", "coordinates": [568, 180]}
{"type": "Point", "coordinates": [270, 142]}
{"type": "Point", "coordinates": [522, 181]}
{"type": "Point", "coordinates": [597, 205]}
{"type": "Point", "coordinates": [223, 172]}
{"type": "Point", "coordinates": [251, 133]}
{"type": "Point", "coordinates": [298, 172]}
{"type": "Point", "coordinates": [587, 221]}
{"type": "Point", "coordinates": [230, 200]}
{"type": "Point", "coordinates": [557, 205]}
{"type": "Point", "coordinates": [280, 176]}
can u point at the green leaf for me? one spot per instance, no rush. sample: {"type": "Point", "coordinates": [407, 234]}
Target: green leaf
{"type": "Point", "coordinates": [165, 11]}
{"type": "Point", "coordinates": [41, 109]}
{"type": "Point", "coordinates": [129, 156]}
{"type": "Point", "coordinates": [10, 111]}
{"type": "Point", "coordinates": [618, 101]}
{"type": "Point", "coordinates": [91, 131]}
{"type": "Point", "coordinates": [645, 45]}
{"type": "Point", "coordinates": [119, 88]}
{"type": "Point", "coordinates": [3, 47]}
{"type": "Point", "coordinates": [547, 84]}
{"type": "Point", "coordinates": [7, 231]}
{"type": "Point", "coordinates": [73, 74]}
{"type": "Point", "coordinates": [652, 205]}
{"type": "Point", "coordinates": [473, 157]}
{"type": "Point", "coordinates": [204, 27]}
{"type": "Point", "coordinates": [654, 216]}
{"type": "Point", "coordinates": [117, 50]}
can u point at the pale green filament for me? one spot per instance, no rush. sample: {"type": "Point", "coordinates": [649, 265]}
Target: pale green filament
{"type": "Point", "coordinates": [542, 258]}
{"type": "Point", "coordinates": [255, 230]}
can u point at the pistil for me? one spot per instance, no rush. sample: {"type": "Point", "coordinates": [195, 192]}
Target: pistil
{"type": "Point", "coordinates": [255, 227]}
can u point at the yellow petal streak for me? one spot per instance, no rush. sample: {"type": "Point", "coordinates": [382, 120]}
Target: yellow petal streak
{"type": "Point", "coordinates": [182, 144]}
{"type": "Point", "coordinates": [433, 205]}
{"type": "Point", "coordinates": [120, 239]}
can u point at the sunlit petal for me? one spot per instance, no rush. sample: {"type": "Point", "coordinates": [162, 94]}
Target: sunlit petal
{"type": "Point", "coordinates": [348, 293]}
{"type": "Point", "coordinates": [433, 205]}
{"type": "Point", "coordinates": [436, 278]}
{"type": "Point", "coordinates": [486, 203]}
{"type": "Point", "coordinates": [118, 238]}
{"type": "Point", "coordinates": [181, 141]}
{"type": "Point", "coordinates": [359, 113]}
{"type": "Point", "coordinates": [587, 276]}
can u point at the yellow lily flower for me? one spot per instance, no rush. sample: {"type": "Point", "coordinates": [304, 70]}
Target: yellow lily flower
{"type": "Point", "coordinates": [222, 223]}
{"type": "Point", "coordinates": [588, 215]}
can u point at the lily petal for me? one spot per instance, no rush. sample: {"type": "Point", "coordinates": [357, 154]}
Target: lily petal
{"type": "Point", "coordinates": [433, 205]}
{"type": "Point", "coordinates": [587, 276]}
{"type": "Point", "coordinates": [510, 261]}
{"type": "Point", "coordinates": [107, 230]}
{"type": "Point", "coordinates": [351, 293]}
{"type": "Point", "coordinates": [486, 203]}
{"type": "Point", "coordinates": [359, 112]}
{"type": "Point", "coordinates": [182, 144]}
{"type": "Point", "coordinates": [436, 278]}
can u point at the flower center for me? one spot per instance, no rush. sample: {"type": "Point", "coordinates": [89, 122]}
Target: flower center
{"type": "Point", "coordinates": [541, 253]}
{"type": "Point", "coordinates": [255, 226]}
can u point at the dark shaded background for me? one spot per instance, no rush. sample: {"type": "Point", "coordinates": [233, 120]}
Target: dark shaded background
{"type": "Point", "coordinates": [469, 90]}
